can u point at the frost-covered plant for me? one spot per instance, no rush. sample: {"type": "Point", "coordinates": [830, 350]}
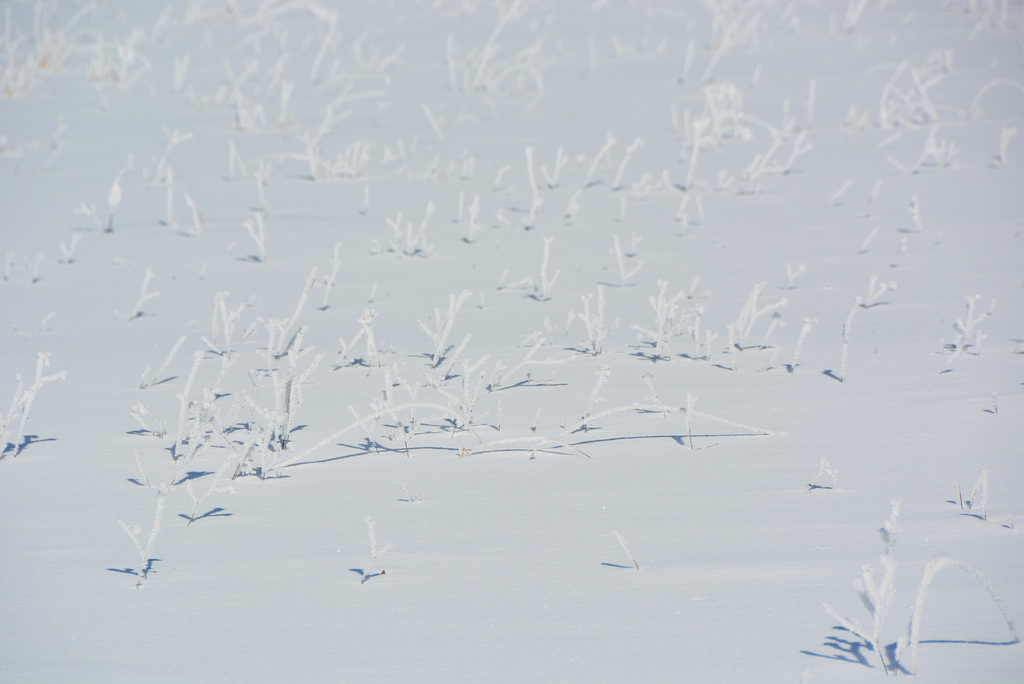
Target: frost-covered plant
{"type": "Point", "coordinates": [547, 281]}
{"type": "Point", "coordinates": [825, 470]}
{"type": "Point", "coordinates": [876, 289]}
{"type": "Point", "coordinates": [332, 278]}
{"type": "Point", "coordinates": [935, 565]}
{"type": "Point", "coordinates": [876, 598]}
{"type": "Point", "coordinates": [665, 310]}
{"type": "Point", "coordinates": [135, 534]}
{"type": "Point", "coordinates": [68, 250]}
{"type": "Point", "coordinates": [792, 274]}
{"type": "Point", "coordinates": [21, 406]}
{"type": "Point", "coordinates": [256, 227]}
{"type": "Point", "coordinates": [935, 154]}
{"type": "Point", "coordinates": [223, 325]}
{"type": "Point", "coordinates": [376, 551]}
{"type": "Point", "coordinates": [972, 503]}
{"type": "Point", "coordinates": [144, 296]}
{"type": "Point", "coordinates": [1005, 136]}
{"type": "Point", "coordinates": [603, 155]}
{"type": "Point", "coordinates": [443, 323]}
{"type": "Point", "coordinates": [365, 333]}
{"type": "Point", "coordinates": [288, 383]}
{"type": "Point", "coordinates": [915, 214]}
{"type": "Point", "coordinates": [227, 467]}
{"type": "Point", "coordinates": [280, 337]}
{"type": "Point", "coordinates": [847, 327]}
{"type": "Point", "coordinates": [561, 159]}
{"type": "Point", "coordinates": [410, 241]}
{"type": "Point", "coordinates": [463, 405]}
{"type": "Point", "coordinates": [805, 329]}
{"type": "Point", "coordinates": [905, 99]}
{"type": "Point", "coordinates": [625, 547]}
{"type": "Point", "coordinates": [630, 151]}
{"type": "Point", "coordinates": [592, 318]}
{"type": "Point", "coordinates": [625, 273]}
{"type": "Point", "coordinates": [749, 314]}
{"type": "Point", "coordinates": [142, 415]}
{"type": "Point", "coordinates": [89, 211]}
{"type": "Point", "coordinates": [184, 402]}
{"type": "Point", "coordinates": [602, 375]}
{"type": "Point", "coordinates": [115, 195]}
{"type": "Point", "coordinates": [966, 331]}
{"type": "Point", "coordinates": [48, 49]}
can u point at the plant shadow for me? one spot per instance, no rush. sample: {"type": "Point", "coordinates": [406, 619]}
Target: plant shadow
{"type": "Point", "coordinates": [141, 573]}
{"type": "Point", "coordinates": [212, 513]}
{"type": "Point", "coordinates": [366, 575]}
{"type": "Point", "coordinates": [854, 651]}
{"type": "Point", "coordinates": [846, 650]}
{"type": "Point", "coordinates": [28, 441]}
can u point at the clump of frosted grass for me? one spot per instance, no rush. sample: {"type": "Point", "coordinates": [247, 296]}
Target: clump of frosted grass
{"type": "Point", "coordinates": [410, 241]}
{"type": "Point", "coordinates": [665, 309]}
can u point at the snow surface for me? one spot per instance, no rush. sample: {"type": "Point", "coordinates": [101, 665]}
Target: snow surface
{"type": "Point", "coordinates": [770, 162]}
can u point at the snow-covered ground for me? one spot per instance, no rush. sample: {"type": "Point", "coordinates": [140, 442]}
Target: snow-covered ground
{"type": "Point", "coordinates": [511, 341]}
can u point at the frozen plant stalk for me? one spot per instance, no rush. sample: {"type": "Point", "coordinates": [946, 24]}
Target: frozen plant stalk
{"type": "Point", "coordinates": [847, 325]}
{"type": "Point", "coordinates": [809, 323]}
{"type": "Point", "coordinates": [620, 256]}
{"type": "Point", "coordinates": [547, 282]}
{"type": "Point", "coordinates": [1005, 137]}
{"type": "Point", "coordinates": [625, 547]}
{"type": "Point", "coordinates": [931, 570]}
